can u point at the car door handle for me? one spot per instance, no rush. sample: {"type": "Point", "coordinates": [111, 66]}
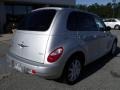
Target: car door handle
{"type": "Point", "coordinates": [89, 38]}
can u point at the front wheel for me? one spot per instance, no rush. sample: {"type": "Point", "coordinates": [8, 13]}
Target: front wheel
{"type": "Point", "coordinates": [73, 70]}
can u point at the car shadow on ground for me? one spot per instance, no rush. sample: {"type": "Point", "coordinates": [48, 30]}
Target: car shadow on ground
{"type": "Point", "coordinates": [97, 65]}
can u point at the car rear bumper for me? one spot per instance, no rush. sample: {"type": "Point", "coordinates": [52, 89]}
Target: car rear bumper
{"type": "Point", "coordinates": [27, 66]}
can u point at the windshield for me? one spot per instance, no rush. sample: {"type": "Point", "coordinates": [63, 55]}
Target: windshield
{"type": "Point", "coordinates": [37, 21]}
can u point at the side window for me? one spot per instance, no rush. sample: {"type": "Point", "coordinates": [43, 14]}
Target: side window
{"type": "Point", "coordinates": [79, 21]}
{"type": "Point", "coordinates": [113, 20]}
{"type": "Point", "coordinates": [86, 22]}
{"type": "Point", "coordinates": [107, 20]}
{"type": "Point", "coordinates": [100, 24]}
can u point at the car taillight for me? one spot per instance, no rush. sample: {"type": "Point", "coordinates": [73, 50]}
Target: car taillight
{"type": "Point", "coordinates": [33, 72]}
{"type": "Point", "coordinates": [55, 55]}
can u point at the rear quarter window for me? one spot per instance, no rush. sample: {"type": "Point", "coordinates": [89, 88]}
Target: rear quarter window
{"type": "Point", "coordinates": [37, 20]}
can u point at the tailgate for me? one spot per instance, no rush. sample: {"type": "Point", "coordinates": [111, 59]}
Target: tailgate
{"type": "Point", "coordinates": [30, 46]}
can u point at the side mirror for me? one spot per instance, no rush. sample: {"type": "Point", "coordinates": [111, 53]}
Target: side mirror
{"type": "Point", "coordinates": [108, 28]}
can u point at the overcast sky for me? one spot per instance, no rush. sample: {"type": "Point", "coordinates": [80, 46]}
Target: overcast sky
{"type": "Point", "coordinates": [88, 2]}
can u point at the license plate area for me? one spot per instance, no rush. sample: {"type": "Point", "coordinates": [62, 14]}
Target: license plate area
{"type": "Point", "coordinates": [17, 66]}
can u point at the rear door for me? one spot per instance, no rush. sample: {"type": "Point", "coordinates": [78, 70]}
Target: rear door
{"type": "Point", "coordinates": [87, 33]}
{"type": "Point", "coordinates": [30, 40]}
{"type": "Point", "coordinates": [30, 46]}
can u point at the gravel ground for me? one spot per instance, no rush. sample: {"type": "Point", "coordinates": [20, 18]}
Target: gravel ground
{"type": "Point", "coordinates": [104, 74]}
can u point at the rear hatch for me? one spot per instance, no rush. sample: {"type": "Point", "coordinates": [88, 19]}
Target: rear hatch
{"type": "Point", "coordinates": [30, 40]}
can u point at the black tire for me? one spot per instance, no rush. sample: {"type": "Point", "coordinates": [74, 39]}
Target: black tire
{"type": "Point", "coordinates": [72, 71]}
{"type": "Point", "coordinates": [114, 48]}
{"type": "Point", "coordinates": [117, 27]}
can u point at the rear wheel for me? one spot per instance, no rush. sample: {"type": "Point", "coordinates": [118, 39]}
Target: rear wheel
{"type": "Point", "coordinates": [73, 70]}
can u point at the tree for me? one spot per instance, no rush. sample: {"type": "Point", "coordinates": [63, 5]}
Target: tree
{"type": "Point", "coordinates": [105, 11]}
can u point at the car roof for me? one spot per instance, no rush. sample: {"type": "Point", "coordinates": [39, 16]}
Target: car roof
{"type": "Point", "coordinates": [63, 9]}
{"type": "Point", "coordinates": [55, 8]}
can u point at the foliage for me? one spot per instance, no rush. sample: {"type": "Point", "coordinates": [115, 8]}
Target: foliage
{"type": "Point", "coordinates": [106, 11]}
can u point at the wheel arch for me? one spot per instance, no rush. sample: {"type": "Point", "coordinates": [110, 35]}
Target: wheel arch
{"type": "Point", "coordinates": [82, 55]}
{"type": "Point", "coordinates": [77, 53]}
{"type": "Point", "coordinates": [116, 25]}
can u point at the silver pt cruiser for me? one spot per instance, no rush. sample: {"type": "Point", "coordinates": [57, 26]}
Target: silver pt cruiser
{"type": "Point", "coordinates": [58, 42]}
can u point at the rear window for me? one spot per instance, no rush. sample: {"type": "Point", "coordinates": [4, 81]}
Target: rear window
{"type": "Point", "coordinates": [37, 21]}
